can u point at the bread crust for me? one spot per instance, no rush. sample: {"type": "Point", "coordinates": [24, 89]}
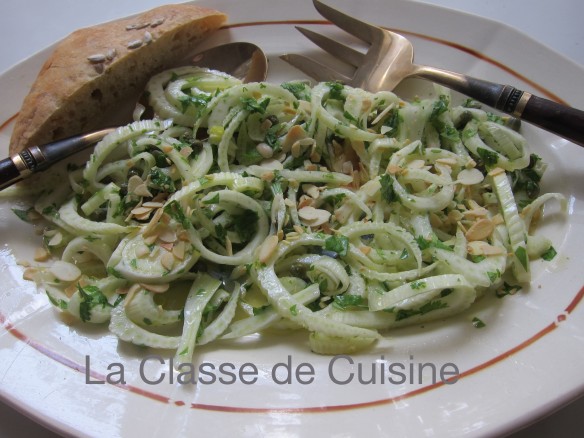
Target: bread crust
{"type": "Point", "coordinates": [92, 71]}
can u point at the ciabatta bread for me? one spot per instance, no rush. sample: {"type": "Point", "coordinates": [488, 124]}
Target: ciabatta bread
{"type": "Point", "coordinates": [95, 70]}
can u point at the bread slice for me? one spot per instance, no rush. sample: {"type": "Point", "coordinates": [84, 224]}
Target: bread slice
{"type": "Point", "coordinates": [94, 71]}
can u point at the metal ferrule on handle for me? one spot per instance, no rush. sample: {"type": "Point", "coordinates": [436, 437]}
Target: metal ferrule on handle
{"type": "Point", "coordinates": [38, 158]}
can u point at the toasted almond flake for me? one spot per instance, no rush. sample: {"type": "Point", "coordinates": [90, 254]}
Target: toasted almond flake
{"type": "Point", "coordinates": [267, 248]}
{"type": "Point", "coordinates": [152, 204]}
{"type": "Point", "coordinates": [167, 260]}
{"type": "Point", "coordinates": [150, 239]}
{"type": "Point", "coordinates": [310, 166]}
{"type": "Point", "coordinates": [29, 274]}
{"type": "Point", "coordinates": [496, 171]}
{"type": "Point", "coordinates": [296, 149]}
{"type": "Point", "coordinates": [184, 236]}
{"type": "Point", "coordinates": [468, 177]}
{"type": "Point", "coordinates": [311, 190]}
{"type": "Point", "coordinates": [294, 134]}
{"type": "Point", "coordinates": [142, 190]}
{"type": "Point", "coordinates": [65, 271]}
{"type": "Point", "coordinates": [470, 164]}
{"type": "Point", "coordinates": [292, 236]}
{"type": "Point", "coordinates": [480, 230]}
{"type": "Point", "coordinates": [267, 176]}
{"type": "Point", "coordinates": [155, 288]}
{"type": "Point", "coordinates": [313, 217]}
{"type": "Point", "coordinates": [347, 168]}
{"type": "Point", "coordinates": [41, 255]}
{"type": "Point", "coordinates": [142, 251]}
{"type": "Point", "coordinates": [305, 201]}
{"type": "Point", "coordinates": [56, 240]}
{"type": "Point", "coordinates": [179, 250]}
{"type": "Point", "coordinates": [186, 151]}
{"type": "Point", "coordinates": [265, 150]}
{"type": "Point", "coordinates": [167, 235]}
{"type": "Point", "coordinates": [133, 182]}
{"type": "Point", "coordinates": [139, 211]}
{"type": "Point", "coordinates": [475, 213]}
{"type": "Point", "coordinates": [498, 219]}
{"type": "Point", "coordinates": [167, 246]}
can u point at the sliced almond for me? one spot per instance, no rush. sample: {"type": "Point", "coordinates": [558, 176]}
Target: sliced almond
{"type": "Point", "coordinates": [29, 274]}
{"type": "Point", "coordinates": [65, 271]}
{"type": "Point", "coordinates": [167, 260]}
{"type": "Point", "coordinates": [311, 190]}
{"type": "Point", "coordinates": [142, 190]}
{"type": "Point", "coordinates": [41, 255]}
{"type": "Point", "coordinates": [56, 240]}
{"type": "Point", "coordinates": [167, 235]}
{"type": "Point", "coordinates": [179, 250]}
{"type": "Point", "coordinates": [294, 134]}
{"type": "Point", "coordinates": [133, 182]}
{"type": "Point", "coordinates": [268, 248]}
{"type": "Point", "coordinates": [155, 288]}
{"type": "Point", "coordinates": [480, 230]}
{"type": "Point", "coordinates": [186, 151]}
{"type": "Point", "coordinates": [308, 213]}
{"type": "Point", "coordinates": [469, 177]}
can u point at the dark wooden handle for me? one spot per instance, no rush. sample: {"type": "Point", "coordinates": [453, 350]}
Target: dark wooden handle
{"type": "Point", "coordinates": [9, 173]}
{"type": "Point", "coordinates": [560, 119]}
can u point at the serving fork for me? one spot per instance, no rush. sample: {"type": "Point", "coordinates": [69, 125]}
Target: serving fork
{"type": "Point", "coordinates": [390, 59]}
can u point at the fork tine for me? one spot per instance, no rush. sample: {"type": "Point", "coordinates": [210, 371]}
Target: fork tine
{"type": "Point", "coordinates": [360, 29]}
{"type": "Point", "coordinates": [333, 47]}
{"type": "Point", "coordinates": [315, 70]}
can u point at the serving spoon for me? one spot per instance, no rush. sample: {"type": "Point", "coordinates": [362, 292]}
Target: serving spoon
{"type": "Point", "coordinates": [243, 60]}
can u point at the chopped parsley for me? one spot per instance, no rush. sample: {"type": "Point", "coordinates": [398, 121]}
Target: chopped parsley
{"type": "Point", "coordinates": [338, 244]}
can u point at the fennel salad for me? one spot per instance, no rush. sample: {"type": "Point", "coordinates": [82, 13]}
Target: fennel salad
{"type": "Point", "coordinates": [240, 207]}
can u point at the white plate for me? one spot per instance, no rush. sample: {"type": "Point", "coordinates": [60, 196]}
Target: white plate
{"type": "Point", "coordinates": [520, 366]}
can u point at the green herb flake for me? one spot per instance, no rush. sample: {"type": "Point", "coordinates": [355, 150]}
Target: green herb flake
{"type": "Point", "coordinates": [346, 301]}
{"type": "Point", "coordinates": [91, 296]}
{"type": "Point", "coordinates": [23, 215]}
{"type": "Point", "coordinates": [294, 310]}
{"type": "Point", "coordinates": [213, 200]}
{"type": "Point", "coordinates": [490, 158]}
{"type": "Point", "coordinates": [338, 244]}
{"type": "Point", "coordinates": [253, 106]}
{"type": "Point", "coordinates": [478, 323]}
{"type": "Point", "coordinates": [521, 254]}
{"type": "Point", "coordinates": [388, 194]}
{"type": "Point", "coordinates": [549, 254]}
{"type": "Point", "coordinates": [418, 284]}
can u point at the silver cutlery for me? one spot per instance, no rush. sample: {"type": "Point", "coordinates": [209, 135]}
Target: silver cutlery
{"type": "Point", "coordinates": [389, 60]}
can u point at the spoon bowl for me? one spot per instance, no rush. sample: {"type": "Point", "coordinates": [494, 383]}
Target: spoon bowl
{"type": "Point", "coordinates": [243, 60]}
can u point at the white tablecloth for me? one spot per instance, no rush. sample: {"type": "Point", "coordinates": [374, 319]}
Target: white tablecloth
{"type": "Point", "coordinates": [27, 26]}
